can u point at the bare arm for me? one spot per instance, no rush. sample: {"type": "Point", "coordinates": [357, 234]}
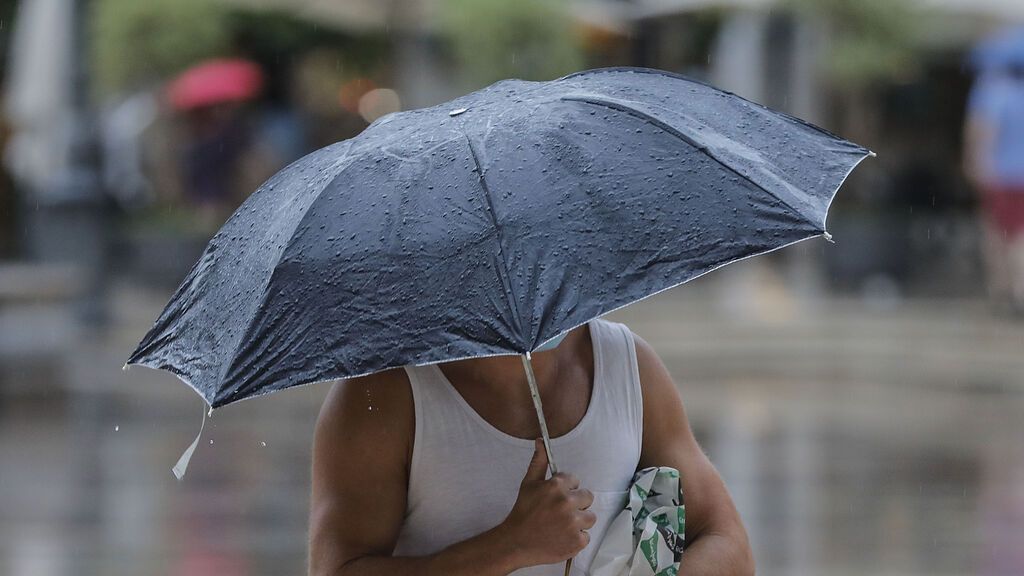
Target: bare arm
{"type": "Point", "coordinates": [361, 455]}
{"type": "Point", "coordinates": [717, 542]}
{"type": "Point", "coordinates": [979, 139]}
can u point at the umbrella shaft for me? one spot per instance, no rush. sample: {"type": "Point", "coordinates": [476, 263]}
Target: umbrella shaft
{"type": "Point", "coordinates": [535, 395]}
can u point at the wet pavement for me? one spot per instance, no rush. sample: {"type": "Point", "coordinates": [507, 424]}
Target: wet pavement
{"type": "Point", "coordinates": [856, 437]}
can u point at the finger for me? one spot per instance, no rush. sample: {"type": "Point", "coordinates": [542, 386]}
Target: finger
{"type": "Point", "coordinates": [568, 481]}
{"type": "Point", "coordinates": [538, 467]}
{"type": "Point", "coordinates": [582, 540]}
{"type": "Point", "coordinates": [586, 519]}
{"type": "Point", "coordinates": [582, 498]}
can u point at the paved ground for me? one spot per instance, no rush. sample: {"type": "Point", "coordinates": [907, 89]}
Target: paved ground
{"type": "Point", "coordinates": [880, 437]}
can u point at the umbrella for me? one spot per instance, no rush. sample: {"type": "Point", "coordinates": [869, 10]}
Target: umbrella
{"type": "Point", "coordinates": [215, 82]}
{"type": "Point", "coordinates": [490, 225]}
{"type": "Point", "coordinates": [1000, 51]}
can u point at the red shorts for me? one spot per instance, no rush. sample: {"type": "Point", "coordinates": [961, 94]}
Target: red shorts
{"type": "Point", "coordinates": [1004, 208]}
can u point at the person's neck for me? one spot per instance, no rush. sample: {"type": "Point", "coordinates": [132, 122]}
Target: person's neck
{"type": "Point", "coordinates": [503, 374]}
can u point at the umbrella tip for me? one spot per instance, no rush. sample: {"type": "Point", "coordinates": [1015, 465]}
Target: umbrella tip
{"type": "Point", "coordinates": [125, 367]}
{"type": "Point", "coordinates": [828, 238]}
{"type": "Point", "coordinates": [871, 154]}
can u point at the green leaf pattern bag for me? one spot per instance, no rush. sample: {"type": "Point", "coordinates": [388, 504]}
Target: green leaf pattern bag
{"type": "Point", "coordinates": [646, 539]}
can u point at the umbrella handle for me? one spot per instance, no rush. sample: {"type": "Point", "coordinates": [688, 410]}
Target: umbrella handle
{"type": "Point", "coordinates": [535, 395]}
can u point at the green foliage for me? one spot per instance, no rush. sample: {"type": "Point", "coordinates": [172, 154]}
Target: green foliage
{"type": "Point", "coordinates": [869, 40]}
{"type": "Point", "coordinates": [496, 39]}
{"type": "Point", "coordinates": [135, 41]}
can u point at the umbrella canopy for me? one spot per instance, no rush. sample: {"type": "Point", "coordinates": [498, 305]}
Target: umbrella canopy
{"type": "Point", "coordinates": [215, 82]}
{"type": "Point", "coordinates": [490, 225]}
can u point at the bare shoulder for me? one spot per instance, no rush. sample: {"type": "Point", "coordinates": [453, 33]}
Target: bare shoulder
{"type": "Point", "coordinates": [655, 381]}
{"type": "Point", "coordinates": [360, 397]}
{"type": "Point", "coordinates": [375, 410]}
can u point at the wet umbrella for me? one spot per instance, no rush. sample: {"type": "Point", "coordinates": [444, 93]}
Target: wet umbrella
{"type": "Point", "coordinates": [490, 225]}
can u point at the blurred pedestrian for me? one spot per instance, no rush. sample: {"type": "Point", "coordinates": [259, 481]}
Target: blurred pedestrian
{"type": "Point", "coordinates": [994, 157]}
{"type": "Point", "coordinates": [222, 153]}
{"type": "Point", "coordinates": [219, 135]}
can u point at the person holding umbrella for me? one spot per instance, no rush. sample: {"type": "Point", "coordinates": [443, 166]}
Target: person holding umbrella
{"type": "Point", "coordinates": [415, 470]}
{"type": "Point", "coordinates": [452, 264]}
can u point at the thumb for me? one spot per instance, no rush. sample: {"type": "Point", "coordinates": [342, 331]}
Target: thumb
{"type": "Point", "coordinates": [538, 467]}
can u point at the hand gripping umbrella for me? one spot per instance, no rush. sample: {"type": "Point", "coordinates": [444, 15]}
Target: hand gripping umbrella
{"type": "Point", "coordinates": [490, 225]}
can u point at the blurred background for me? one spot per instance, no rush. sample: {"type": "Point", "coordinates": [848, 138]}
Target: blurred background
{"type": "Point", "coordinates": [864, 400]}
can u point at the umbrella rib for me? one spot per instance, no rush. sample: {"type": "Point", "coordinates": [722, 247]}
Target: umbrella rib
{"type": "Point", "coordinates": [619, 107]}
{"type": "Point", "coordinates": [694, 81]}
{"type": "Point", "coordinates": [503, 272]}
{"type": "Point", "coordinates": [301, 164]}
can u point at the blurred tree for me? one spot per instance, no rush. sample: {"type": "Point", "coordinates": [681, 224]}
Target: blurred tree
{"type": "Point", "coordinates": [496, 39]}
{"type": "Point", "coordinates": [137, 42]}
{"type": "Point", "coordinates": [869, 40]}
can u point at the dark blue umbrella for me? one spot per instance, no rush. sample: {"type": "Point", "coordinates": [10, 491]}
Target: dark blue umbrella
{"type": "Point", "coordinates": [490, 225]}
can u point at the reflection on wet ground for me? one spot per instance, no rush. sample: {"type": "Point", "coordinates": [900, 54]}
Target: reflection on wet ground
{"type": "Point", "coordinates": [855, 440]}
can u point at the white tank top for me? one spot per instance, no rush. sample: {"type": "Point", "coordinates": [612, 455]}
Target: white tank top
{"type": "Point", "coordinates": [465, 473]}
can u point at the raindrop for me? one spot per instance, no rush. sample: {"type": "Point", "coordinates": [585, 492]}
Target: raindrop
{"type": "Point", "coordinates": [116, 428]}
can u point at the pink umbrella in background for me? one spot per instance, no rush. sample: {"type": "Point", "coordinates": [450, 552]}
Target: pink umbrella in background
{"type": "Point", "coordinates": [215, 82]}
